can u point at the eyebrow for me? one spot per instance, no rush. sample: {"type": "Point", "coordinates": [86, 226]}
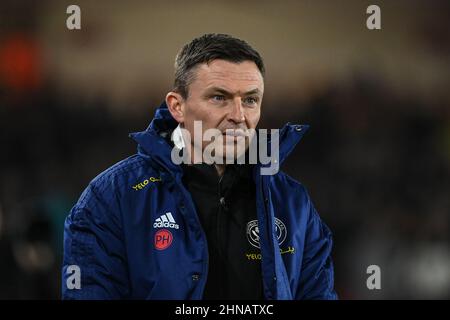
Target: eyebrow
{"type": "Point", "coordinates": [227, 93]}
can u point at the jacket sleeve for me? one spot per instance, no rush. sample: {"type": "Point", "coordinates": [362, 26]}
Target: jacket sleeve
{"type": "Point", "coordinates": [94, 249]}
{"type": "Point", "coordinates": [317, 275]}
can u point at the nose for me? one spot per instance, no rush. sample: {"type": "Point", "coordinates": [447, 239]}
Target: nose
{"type": "Point", "coordinates": [237, 112]}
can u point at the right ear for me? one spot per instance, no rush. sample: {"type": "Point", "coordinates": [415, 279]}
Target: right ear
{"type": "Point", "coordinates": [175, 104]}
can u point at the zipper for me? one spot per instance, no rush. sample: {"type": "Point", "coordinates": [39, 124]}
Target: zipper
{"type": "Point", "coordinates": [206, 265]}
{"type": "Point", "coordinates": [268, 228]}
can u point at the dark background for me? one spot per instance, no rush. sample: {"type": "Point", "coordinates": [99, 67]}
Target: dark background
{"type": "Point", "coordinates": [376, 160]}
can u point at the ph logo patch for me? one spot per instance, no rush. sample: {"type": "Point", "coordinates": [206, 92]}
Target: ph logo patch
{"type": "Point", "coordinates": [163, 239]}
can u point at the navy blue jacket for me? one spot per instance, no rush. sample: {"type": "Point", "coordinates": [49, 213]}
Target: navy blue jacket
{"type": "Point", "coordinates": [135, 234]}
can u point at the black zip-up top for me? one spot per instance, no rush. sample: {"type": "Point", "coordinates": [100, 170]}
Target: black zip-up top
{"type": "Point", "coordinates": [225, 206]}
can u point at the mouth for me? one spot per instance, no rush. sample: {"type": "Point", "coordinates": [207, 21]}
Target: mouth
{"type": "Point", "coordinates": [235, 133]}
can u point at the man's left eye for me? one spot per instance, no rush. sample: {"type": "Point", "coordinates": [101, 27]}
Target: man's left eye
{"type": "Point", "coordinates": [250, 100]}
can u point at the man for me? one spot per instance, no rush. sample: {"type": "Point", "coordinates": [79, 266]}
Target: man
{"type": "Point", "coordinates": [152, 228]}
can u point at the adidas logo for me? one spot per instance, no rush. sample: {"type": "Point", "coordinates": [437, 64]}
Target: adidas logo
{"type": "Point", "coordinates": [166, 221]}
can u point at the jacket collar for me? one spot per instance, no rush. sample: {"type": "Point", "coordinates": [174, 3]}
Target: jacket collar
{"type": "Point", "coordinates": [154, 142]}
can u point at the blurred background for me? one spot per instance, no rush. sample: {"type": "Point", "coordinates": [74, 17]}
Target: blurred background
{"type": "Point", "coordinates": [376, 160]}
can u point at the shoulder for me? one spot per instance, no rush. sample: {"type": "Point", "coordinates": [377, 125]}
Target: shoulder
{"type": "Point", "coordinates": [291, 197]}
{"type": "Point", "coordinates": [118, 178]}
{"type": "Point", "coordinates": [289, 185]}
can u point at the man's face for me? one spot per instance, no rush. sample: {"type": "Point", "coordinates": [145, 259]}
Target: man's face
{"type": "Point", "coordinates": [225, 95]}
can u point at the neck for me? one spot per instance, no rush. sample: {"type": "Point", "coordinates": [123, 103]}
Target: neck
{"type": "Point", "coordinates": [220, 169]}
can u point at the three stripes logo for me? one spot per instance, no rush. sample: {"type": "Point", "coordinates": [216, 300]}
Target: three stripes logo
{"type": "Point", "coordinates": [166, 221]}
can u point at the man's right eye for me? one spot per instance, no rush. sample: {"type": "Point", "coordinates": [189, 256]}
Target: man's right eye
{"type": "Point", "coordinates": [218, 97]}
